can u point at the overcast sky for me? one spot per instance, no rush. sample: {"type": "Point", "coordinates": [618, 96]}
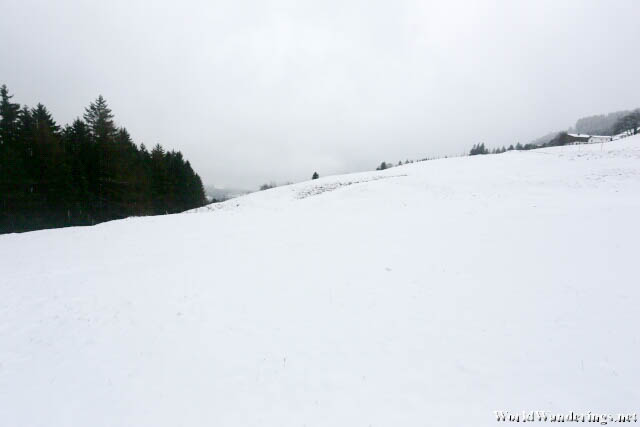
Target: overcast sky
{"type": "Point", "coordinates": [255, 91]}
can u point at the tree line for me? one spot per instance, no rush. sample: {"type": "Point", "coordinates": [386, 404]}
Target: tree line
{"type": "Point", "coordinates": [621, 122]}
{"type": "Point", "coordinates": [627, 123]}
{"type": "Point", "coordinates": [559, 139]}
{"type": "Point", "coordinates": [84, 173]}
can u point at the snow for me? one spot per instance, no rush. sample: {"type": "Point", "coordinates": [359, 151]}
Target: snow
{"type": "Point", "coordinates": [429, 294]}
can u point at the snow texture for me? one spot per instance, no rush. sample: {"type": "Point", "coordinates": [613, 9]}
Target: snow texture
{"type": "Point", "coordinates": [453, 288]}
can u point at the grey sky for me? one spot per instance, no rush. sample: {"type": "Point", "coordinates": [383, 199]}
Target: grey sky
{"type": "Point", "coordinates": [253, 91]}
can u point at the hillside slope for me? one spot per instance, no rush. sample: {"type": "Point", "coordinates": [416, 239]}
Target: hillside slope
{"type": "Point", "coordinates": [428, 294]}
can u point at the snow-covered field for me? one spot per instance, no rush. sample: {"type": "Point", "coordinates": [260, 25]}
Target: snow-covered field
{"type": "Point", "coordinates": [428, 294]}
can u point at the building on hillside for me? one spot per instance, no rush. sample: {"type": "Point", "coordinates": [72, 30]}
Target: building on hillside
{"type": "Point", "coordinates": [599, 138]}
{"type": "Point", "coordinates": [577, 138]}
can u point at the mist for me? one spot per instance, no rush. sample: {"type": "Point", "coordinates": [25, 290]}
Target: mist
{"type": "Point", "coordinates": [260, 91]}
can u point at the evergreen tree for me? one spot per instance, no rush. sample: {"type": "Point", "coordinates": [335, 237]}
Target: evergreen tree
{"type": "Point", "coordinates": [315, 175]}
{"type": "Point", "coordinates": [628, 123]}
{"type": "Point", "coordinates": [478, 149]}
{"type": "Point", "coordinates": [42, 118]}
{"type": "Point", "coordinates": [159, 185]}
{"type": "Point", "coordinates": [560, 139]}
{"type": "Point", "coordinates": [8, 117]}
{"type": "Point", "coordinates": [100, 120]}
{"type": "Point", "coordinates": [77, 143]}
{"type": "Point", "coordinates": [88, 172]}
{"type": "Point", "coordinates": [268, 186]}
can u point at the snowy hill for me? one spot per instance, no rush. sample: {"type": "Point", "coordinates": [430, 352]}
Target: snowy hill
{"type": "Point", "coordinates": [428, 294]}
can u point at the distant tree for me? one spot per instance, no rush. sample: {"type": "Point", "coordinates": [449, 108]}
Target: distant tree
{"type": "Point", "coordinates": [478, 149]}
{"type": "Point", "coordinates": [628, 123]}
{"type": "Point", "coordinates": [559, 140]}
{"type": "Point", "coordinates": [315, 175]}
{"type": "Point", "coordinates": [599, 124]}
{"type": "Point", "coordinates": [382, 166]}
{"type": "Point", "coordinates": [267, 186]}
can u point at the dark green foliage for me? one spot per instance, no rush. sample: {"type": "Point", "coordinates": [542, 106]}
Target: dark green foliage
{"type": "Point", "coordinates": [88, 172]}
{"type": "Point", "coordinates": [559, 140]}
{"type": "Point", "coordinates": [9, 123]}
{"type": "Point", "coordinates": [383, 166]}
{"type": "Point", "coordinates": [315, 175]}
{"type": "Point", "coordinates": [100, 120]}
{"type": "Point", "coordinates": [478, 149]}
{"type": "Point", "coordinates": [498, 150]}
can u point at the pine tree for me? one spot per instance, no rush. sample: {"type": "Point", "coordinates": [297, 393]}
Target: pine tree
{"type": "Point", "coordinates": [315, 175]}
{"type": "Point", "coordinates": [100, 119]}
{"type": "Point", "coordinates": [88, 172]}
{"type": "Point", "coordinates": [77, 143]}
{"type": "Point", "coordinates": [52, 175]}
{"type": "Point", "coordinates": [42, 118]}
{"type": "Point", "coordinates": [14, 182]}
{"type": "Point", "coordinates": [479, 149]}
{"type": "Point", "coordinates": [9, 117]}
{"type": "Point", "coordinates": [159, 180]}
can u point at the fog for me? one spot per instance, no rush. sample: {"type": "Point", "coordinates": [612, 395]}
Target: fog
{"type": "Point", "coordinates": [258, 91]}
